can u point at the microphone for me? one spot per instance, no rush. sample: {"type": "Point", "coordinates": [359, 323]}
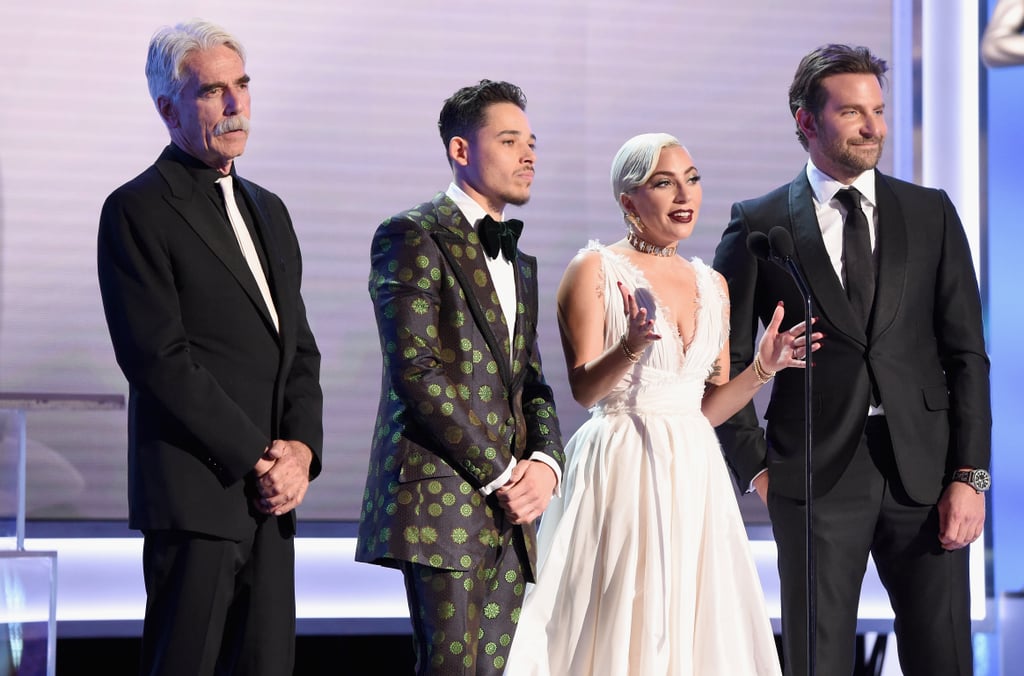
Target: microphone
{"type": "Point", "coordinates": [781, 242]}
{"type": "Point", "coordinates": [777, 246]}
{"type": "Point", "coordinates": [780, 246]}
{"type": "Point", "coordinates": [758, 244]}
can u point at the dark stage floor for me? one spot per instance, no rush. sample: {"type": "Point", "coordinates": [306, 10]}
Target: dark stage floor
{"type": "Point", "coordinates": [348, 655]}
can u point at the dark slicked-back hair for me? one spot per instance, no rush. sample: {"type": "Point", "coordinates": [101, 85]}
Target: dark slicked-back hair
{"type": "Point", "coordinates": [807, 92]}
{"type": "Point", "coordinates": [464, 111]}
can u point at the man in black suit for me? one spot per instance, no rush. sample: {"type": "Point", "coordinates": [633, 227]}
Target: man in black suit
{"type": "Point", "coordinates": [200, 273]}
{"type": "Point", "coordinates": [901, 413]}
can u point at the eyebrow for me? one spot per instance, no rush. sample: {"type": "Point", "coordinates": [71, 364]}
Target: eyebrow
{"type": "Point", "coordinates": [859, 106]}
{"type": "Point", "coordinates": [690, 169]}
{"type": "Point", "coordinates": [210, 86]}
{"type": "Point", "coordinates": [514, 132]}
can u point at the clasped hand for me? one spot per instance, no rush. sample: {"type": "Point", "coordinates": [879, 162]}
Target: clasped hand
{"type": "Point", "coordinates": [528, 491]}
{"type": "Point", "coordinates": [282, 476]}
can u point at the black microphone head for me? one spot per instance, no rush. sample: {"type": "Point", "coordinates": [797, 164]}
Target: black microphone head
{"type": "Point", "coordinates": [781, 242]}
{"type": "Point", "coordinates": [757, 244]}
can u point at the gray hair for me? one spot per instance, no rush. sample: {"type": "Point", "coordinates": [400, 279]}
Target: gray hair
{"type": "Point", "coordinates": [171, 46]}
{"type": "Point", "coordinates": [636, 160]}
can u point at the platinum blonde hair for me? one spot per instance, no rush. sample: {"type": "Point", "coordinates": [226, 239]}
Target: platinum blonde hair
{"type": "Point", "coordinates": [171, 46]}
{"type": "Point", "coordinates": [636, 160]}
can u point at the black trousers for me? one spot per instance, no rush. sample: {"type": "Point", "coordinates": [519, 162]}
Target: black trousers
{"type": "Point", "coordinates": [216, 607]}
{"type": "Point", "coordinates": [869, 511]}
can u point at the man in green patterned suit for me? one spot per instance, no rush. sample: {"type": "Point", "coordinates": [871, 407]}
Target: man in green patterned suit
{"type": "Point", "coordinates": [467, 451]}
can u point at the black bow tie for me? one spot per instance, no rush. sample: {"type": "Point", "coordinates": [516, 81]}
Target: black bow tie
{"type": "Point", "coordinates": [499, 236]}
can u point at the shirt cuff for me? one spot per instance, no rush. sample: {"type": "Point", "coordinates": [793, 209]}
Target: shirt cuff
{"type": "Point", "coordinates": [750, 488]}
{"type": "Point", "coordinates": [501, 480]}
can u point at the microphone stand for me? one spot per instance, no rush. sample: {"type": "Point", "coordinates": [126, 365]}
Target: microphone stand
{"type": "Point", "coordinates": [782, 253]}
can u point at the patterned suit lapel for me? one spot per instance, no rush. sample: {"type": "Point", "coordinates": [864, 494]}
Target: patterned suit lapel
{"type": "Point", "coordinates": [830, 299]}
{"type": "Point", "coordinates": [892, 256]}
{"type": "Point", "coordinates": [526, 312]}
{"type": "Point", "coordinates": [459, 244]}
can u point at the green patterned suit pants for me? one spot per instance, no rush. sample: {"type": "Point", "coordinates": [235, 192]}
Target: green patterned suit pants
{"type": "Point", "coordinates": [463, 621]}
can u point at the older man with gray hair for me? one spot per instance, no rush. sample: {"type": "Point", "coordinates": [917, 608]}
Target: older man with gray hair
{"type": "Point", "coordinates": [200, 272]}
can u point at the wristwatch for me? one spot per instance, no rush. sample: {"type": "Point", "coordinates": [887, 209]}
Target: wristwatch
{"type": "Point", "coordinates": [978, 479]}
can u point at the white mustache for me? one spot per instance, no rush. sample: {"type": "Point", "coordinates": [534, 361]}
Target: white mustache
{"type": "Point", "coordinates": [233, 123]}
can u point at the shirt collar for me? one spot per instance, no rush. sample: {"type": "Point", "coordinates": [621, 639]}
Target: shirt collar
{"type": "Point", "coordinates": [201, 173]}
{"type": "Point", "coordinates": [466, 204]}
{"type": "Point", "coordinates": [825, 187]}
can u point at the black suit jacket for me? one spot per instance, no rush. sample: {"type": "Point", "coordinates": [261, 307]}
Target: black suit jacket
{"type": "Point", "coordinates": [924, 348]}
{"type": "Point", "coordinates": [211, 382]}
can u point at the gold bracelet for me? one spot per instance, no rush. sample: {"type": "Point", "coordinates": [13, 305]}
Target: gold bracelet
{"type": "Point", "coordinates": [763, 375]}
{"type": "Point", "coordinates": [630, 355]}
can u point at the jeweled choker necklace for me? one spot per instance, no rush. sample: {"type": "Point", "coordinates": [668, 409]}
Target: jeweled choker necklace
{"type": "Point", "coordinates": [648, 248]}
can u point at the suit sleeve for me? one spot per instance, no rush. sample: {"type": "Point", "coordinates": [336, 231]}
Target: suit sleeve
{"type": "Point", "coordinates": [466, 427]}
{"type": "Point", "coordinates": [302, 411]}
{"type": "Point", "coordinates": [303, 398]}
{"type": "Point", "coordinates": [140, 301]}
{"type": "Point", "coordinates": [959, 330]}
{"type": "Point", "coordinates": [742, 439]}
{"type": "Point", "coordinates": [543, 434]}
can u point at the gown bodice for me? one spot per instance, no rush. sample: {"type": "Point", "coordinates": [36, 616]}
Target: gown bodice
{"type": "Point", "coordinates": [670, 375]}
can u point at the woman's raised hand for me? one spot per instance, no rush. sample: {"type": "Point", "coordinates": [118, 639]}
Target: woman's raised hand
{"type": "Point", "coordinates": [641, 328]}
{"type": "Point", "coordinates": [787, 349]}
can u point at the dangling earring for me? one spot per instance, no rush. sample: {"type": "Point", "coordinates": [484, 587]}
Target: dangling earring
{"type": "Point", "coordinates": [635, 223]}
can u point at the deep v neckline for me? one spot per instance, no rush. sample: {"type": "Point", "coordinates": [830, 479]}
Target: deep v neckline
{"type": "Point", "coordinates": [662, 309]}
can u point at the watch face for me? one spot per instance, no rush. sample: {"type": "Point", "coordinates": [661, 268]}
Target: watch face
{"type": "Point", "coordinates": [978, 479]}
{"type": "Point", "coordinates": [981, 480]}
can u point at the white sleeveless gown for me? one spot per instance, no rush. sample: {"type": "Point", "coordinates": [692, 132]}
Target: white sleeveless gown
{"type": "Point", "coordinates": [644, 564]}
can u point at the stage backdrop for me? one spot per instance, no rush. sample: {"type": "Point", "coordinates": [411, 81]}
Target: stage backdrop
{"type": "Point", "coordinates": [345, 103]}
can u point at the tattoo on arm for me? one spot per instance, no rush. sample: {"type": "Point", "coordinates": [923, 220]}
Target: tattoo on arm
{"type": "Point", "coordinates": [716, 371]}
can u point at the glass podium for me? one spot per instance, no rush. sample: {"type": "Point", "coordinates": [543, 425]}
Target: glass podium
{"type": "Point", "coordinates": [28, 579]}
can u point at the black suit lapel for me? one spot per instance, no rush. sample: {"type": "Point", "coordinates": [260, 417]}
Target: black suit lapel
{"type": "Point", "coordinates": [203, 216]}
{"type": "Point", "coordinates": [468, 263]}
{"type": "Point", "coordinates": [891, 257]}
{"type": "Point", "coordinates": [829, 296]}
{"type": "Point", "coordinates": [276, 273]}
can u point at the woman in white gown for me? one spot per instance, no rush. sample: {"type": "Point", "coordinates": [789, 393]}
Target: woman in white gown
{"type": "Point", "coordinates": [644, 564]}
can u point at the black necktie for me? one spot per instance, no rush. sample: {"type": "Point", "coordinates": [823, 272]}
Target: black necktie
{"type": "Point", "coordinates": [858, 263]}
{"type": "Point", "coordinates": [500, 236]}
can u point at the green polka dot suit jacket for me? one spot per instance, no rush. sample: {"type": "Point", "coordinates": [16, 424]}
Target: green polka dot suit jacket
{"type": "Point", "coordinates": [458, 400]}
